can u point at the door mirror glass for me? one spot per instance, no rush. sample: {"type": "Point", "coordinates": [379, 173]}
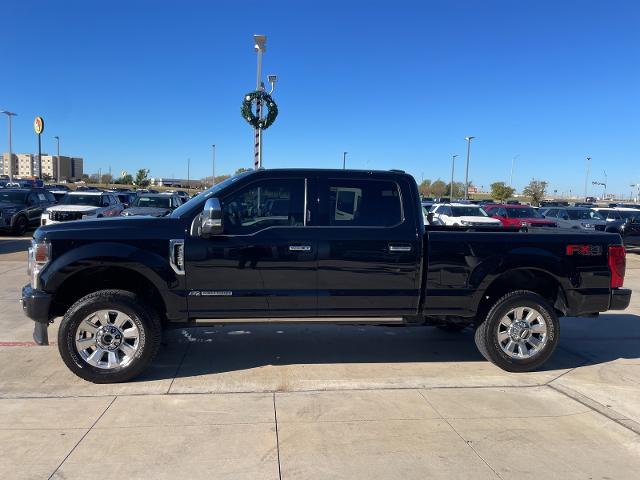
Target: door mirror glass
{"type": "Point", "coordinates": [211, 218]}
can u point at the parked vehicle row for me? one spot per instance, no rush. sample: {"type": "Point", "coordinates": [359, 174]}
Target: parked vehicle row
{"type": "Point", "coordinates": [23, 208]}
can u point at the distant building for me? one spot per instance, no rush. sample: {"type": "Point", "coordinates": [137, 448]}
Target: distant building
{"type": "Point", "coordinates": [176, 182]}
{"type": "Point", "coordinates": [27, 165]}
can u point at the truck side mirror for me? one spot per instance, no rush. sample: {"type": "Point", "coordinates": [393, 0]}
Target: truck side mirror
{"type": "Point", "coordinates": [211, 219]}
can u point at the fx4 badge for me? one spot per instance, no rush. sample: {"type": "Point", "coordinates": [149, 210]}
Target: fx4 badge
{"type": "Point", "coordinates": [587, 250]}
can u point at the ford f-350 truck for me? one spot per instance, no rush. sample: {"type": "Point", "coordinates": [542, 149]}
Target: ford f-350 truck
{"type": "Point", "coordinates": [294, 245]}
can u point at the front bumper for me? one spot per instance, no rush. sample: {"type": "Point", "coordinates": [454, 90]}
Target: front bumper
{"type": "Point", "coordinates": [36, 305]}
{"type": "Point", "coordinates": [620, 298]}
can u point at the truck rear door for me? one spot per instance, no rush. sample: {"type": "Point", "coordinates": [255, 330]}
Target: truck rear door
{"type": "Point", "coordinates": [368, 249]}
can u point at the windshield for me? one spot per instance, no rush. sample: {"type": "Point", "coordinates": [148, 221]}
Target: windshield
{"type": "Point", "coordinates": [156, 202]}
{"type": "Point", "coordinates": [522, 213]}
{"type": "Point", "coordinates": [584, 214]}
{"type": "Point", "coordinates": [13, 197]}
{"type": "Point", "coordinates": [467, 212]}
{"type": "Point", "coordinates": [211, 192]}
{"type": "Point", "coordinates": [89, 200]}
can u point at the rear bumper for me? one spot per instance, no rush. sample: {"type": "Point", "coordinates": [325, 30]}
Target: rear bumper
{"type": "Point", "coordinates": [35, 305]}
{"type": "Point", "coordinates": [620, 299]}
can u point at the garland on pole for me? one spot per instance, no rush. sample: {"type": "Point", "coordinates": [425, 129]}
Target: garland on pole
{"type": "Point", "coordinates": [251, 118]}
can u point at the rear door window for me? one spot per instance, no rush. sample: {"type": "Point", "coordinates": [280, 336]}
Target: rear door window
{"type": "Point", "coordinates": [361, 203]}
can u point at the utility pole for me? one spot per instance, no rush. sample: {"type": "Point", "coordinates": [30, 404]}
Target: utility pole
{"type": "Point", "coordinates": [9, 115]}
{"type": "Point", "coordinates": [344, 160]}
{"type": "Point", "coordinates": [586, 178]}
{"type": "Point", "coordinates": [57, 138]}
{"type": "Point", "coordinates": [466, 175]}
{"type": "Point", "coordinates": [453, 164]}
{"type": "Point", "coordinates": [213, 166]}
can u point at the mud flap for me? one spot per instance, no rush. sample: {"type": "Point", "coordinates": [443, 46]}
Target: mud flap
{"type": "Point", "coordinates": [41, 334]}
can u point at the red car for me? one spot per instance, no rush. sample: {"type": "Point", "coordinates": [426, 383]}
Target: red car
{"type": "Point", "coordinates": [517, 215]}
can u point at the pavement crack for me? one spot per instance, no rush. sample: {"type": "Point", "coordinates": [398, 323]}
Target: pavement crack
{"type": "Point", "coordinates": [469, 444]}
{"type": "Point", "coordinates": [83, 437]}
{"type": "Point", "coordinates": [275, 417]}
{"type": "Point", "coordinates": [184, 355]}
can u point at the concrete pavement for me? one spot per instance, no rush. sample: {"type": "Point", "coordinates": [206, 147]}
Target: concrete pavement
{"type": "Point", "coordinates": [270, 401]}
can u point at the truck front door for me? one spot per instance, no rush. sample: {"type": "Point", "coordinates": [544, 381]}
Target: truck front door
{"type": "Point", "coordinates": [264, 264]}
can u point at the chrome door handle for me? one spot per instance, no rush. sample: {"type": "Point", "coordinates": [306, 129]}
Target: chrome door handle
{"type": "Point", "coordinates": [299, 248]}
{"type": "Point", "coordinates": [399, 248]}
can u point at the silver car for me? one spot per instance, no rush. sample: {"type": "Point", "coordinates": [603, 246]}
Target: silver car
{"type": "Point", "coordinates": [575, 217]}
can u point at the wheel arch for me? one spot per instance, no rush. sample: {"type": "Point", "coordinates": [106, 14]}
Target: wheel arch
{"type": "Point", "coordinates": [533, 279]}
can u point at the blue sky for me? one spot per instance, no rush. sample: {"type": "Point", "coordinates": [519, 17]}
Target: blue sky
{"type": "Point", "coordinates": [397, 84]}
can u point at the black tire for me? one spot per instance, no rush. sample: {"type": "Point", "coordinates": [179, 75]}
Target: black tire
{"type": "Point", "coordinates": [452, 327]}
{"type": "Point", "coordinates": [20, 226]}
{"type": "Point", "coordinates": [145, 319]}
{"type": "Point", "coordinates": [486, 334]}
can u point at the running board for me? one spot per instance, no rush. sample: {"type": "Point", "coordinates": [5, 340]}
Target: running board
{"type": "Point", "coordinates": [351, 320]}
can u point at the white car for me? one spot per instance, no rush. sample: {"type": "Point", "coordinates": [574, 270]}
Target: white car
{"type": "Point", "coordinates": [82, 205]}
{"type": "Point", "coordinates": [462, 214]}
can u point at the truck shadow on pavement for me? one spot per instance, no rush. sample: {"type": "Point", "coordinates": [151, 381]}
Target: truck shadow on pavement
{"type": "Point", "coordinates": [211, 350]}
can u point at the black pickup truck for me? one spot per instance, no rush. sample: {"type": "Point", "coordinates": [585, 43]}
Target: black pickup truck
{"type": "Point", "coordinates": [335, 246]}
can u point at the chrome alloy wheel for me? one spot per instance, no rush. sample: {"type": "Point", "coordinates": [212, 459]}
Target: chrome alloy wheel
{"type": "Point", "coordinates": [107, 339]}
{"type": "Point", "coordinates": [522, 332]}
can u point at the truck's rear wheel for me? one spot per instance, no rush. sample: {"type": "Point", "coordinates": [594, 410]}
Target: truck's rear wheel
{"type": "Point", "coordinates": [520, 332]}
{"type": "Point", "coordinates": [109, 336]}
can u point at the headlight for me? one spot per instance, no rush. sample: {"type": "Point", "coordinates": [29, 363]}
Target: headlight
{"type": "Point", "coordinates": [38, 257]}
{"type": "Point", "coordinates": [126, 214]}
{"type": "Point", "coordinates": [88, 215]}
{"type": "Point", "coordinates": [588, 225]}
{"type": "Point", "coordinates": [465, 222]}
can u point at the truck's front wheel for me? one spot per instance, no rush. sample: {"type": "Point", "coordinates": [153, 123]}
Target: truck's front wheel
{"type": "Point", "coordinates": [109, 336]}
{"type": "Point", "coordinates": [520, 332]}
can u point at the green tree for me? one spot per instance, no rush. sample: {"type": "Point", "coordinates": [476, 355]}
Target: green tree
{"type": "Point", "coordinates": [536, 190]}
{"type": "Point", "coordinates": [424, 188]}
{"type": "Point", "coordinates": [142, 177]}
{"type": "Point", "coordinates": [501, 192]}
{"type": "Point", "coordinates": [458, 190]}
{"type": "Point", "coordinates": [439, 188]}
{"type": "Point", "coordinates": [241, 169]}
{"type": "Point", "coordinates": [221, 178]}
{"type": "Point", "coordinates": [126, 180]}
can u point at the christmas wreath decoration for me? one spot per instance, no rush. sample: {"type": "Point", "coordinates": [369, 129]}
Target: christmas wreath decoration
{"type": "Point", "coordinates": [267, 101]}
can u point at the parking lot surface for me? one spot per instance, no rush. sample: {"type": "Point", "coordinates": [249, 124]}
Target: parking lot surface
{"type": "Point", "coordinates": [323, 402]}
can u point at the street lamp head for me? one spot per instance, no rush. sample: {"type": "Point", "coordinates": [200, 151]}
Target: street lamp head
{"type": "Point", "coordinates": [468, 139]}
{"type": "Point", "coordinates": [272, 79]}
{"type": "Point", "coordinates": [260, 43]}
{"type": "Point", "coordinates": [8, 113]}
{"type": "Point", "coordinates": [57, 137]}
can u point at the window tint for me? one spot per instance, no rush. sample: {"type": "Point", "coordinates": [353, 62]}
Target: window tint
{"type": "Point", "coordinates": [264, 204]}
{"type": "Point", "coordinates": [32, 199]}
{"type": "Point", "coordinates": [552, 212]}
{"type": "Point", "coordinates": [363, 203]}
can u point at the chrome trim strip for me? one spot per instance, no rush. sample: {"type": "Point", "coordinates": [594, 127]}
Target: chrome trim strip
{"type": "Point", "coordinates": [306, 193]}
{"type": "Point", "coordinates": [369, 320]}
{"type": "Point", "coordinates": [399, 248]}
{"type": "Point", "coordinates": [299, 248]}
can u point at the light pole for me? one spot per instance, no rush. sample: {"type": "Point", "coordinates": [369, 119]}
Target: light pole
{"type": "Point", "coordinates": [9, 115]}
{"type": "Point", "coordinates": [513, 162]}
{"type": "Point", "coordinates": [344, 160]}
{"type": "Point", "coordinates": [453, 164]}
{"type": "Point", "coordinates": [213, 166]}
{"type": "Point", "coordinates": [260, 46]}
{"type": "Point", "coordinates": [188, 173]}
{"type": "Point", "coordinates": [466, 175]}
{"type": "Point", "coordinates": [57, 138]}
{"type": "Point", "coordinates": [586, 178]}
